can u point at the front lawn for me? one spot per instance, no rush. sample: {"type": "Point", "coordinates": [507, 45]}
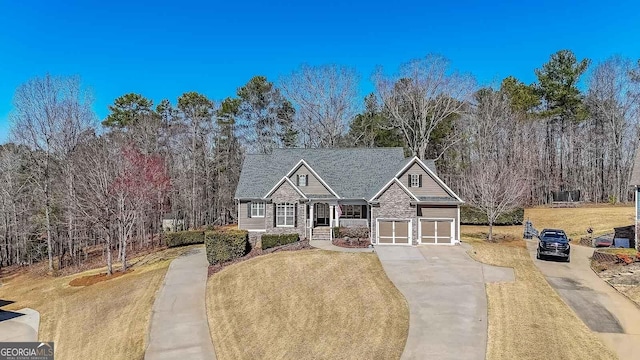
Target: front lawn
{"type": "Point", "coordinates": [574, 221]}
{"type": "Point", "coordinates": [105, 320]}
{"type": "Point", "coordinates": [527, 319]}
{"type": "Point", "coordinates": [307, 305]}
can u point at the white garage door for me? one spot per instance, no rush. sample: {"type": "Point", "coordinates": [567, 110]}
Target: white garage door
{"type": "Point", "coordinates": [436, 231]}
{"type": "Point", "coordinates": [394, 232]}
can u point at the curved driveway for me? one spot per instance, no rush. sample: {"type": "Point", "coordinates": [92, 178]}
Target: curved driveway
{"type": "Point", "coordinates": [18, 326]}
{"type": "Point", "coordinates": [447, 300]}
{"type": "Point", "coordinates": [613, 317]}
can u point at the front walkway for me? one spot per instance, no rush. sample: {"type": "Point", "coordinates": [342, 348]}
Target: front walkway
{"type": "Point", "coordinates": [179, 326]}
{"type": "Point", "coordinates": [447, 300]}
{"type": "Point", "coordinates": [327, 245]}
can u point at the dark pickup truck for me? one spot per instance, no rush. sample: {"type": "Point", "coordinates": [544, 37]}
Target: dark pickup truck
{"type": "Point", "coordinates": [553, 243]}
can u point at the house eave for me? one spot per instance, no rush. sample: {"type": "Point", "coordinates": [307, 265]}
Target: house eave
{"type": "Point", "coordinates": [436, 202]}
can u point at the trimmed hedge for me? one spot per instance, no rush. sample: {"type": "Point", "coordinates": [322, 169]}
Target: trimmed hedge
{"type": "Point", "coordinates": [181, 238]}
{"type": "Point", "coordinates": [226, 245]}
{"type": "Point", "coordinates": [273, 240]}
{"type": "Point", "coordinates": [361, 232]}
{"type": "Point", "coordinates": [473, 216]}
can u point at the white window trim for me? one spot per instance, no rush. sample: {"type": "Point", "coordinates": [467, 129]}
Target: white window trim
{"type": "Point", "coordinates": [346, 213]}
{"type": "Point", "coordinates": [415, 180]}
{"type": "Point", "coordinates": [306, 180]}
{"type": "Point", "coordinates": [417, 160]}
{"type": "Point", "coordinates": [293, 216]}
{"type": "Point", "coordinates": [254, 206]}
{"type": "Point", "coordinates": [302, 162]}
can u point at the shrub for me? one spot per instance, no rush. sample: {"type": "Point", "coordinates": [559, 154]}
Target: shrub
{"type": "Point", "coordinates": [226, 245]}
{"type": "Point", "coordinates": [361, 232]}
{"type": "Point", "coordinates": [336, 232]}
{"type": "Point", "coordinates": [182, 238]}
{"type": "Point", "coordinates": [473, 216]}
{"type": "Point", "coordinates": [273, 240]}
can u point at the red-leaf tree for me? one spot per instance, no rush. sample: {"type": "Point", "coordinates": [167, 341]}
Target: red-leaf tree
{"type": "Point", "coordinates": [140, 182]}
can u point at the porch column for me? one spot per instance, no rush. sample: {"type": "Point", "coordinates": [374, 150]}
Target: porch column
{"type": "Point", "coordinates": [311, 206]}
{"type": "Point", "coordinates": [331, 208]}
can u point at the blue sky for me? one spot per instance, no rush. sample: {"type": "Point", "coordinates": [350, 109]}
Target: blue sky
{"type": "Point", "coordinates": [162, 49]}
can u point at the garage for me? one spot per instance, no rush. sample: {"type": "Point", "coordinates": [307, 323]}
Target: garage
{"type": "Point", "coordinates": [394, 232]}
{"type": "Point", "coordinates": [436, 231]}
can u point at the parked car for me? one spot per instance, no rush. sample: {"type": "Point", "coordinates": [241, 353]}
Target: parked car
{"type": "Point", "coordinates": [554, 243]}
{"type": "Point", "coordinates": [603, 241]}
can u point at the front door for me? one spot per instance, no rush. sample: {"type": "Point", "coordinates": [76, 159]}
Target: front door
{"type": "Point", "coordinates": [322, 214]}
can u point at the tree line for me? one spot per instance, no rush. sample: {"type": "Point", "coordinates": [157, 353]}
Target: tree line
{"type": "Point", "coordinates": [70, 182]}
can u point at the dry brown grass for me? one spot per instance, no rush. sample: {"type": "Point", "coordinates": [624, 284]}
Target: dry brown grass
{"type": "Point", "coordinates": [106, 320]}
{"type": "Point", "coordinates": [574, 221]}
{"type": "Point", "coordinates": [527, 319]}
{"type": "Point", "coordinates": [307, 305]}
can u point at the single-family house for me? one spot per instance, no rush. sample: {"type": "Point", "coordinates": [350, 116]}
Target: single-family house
{"type": "Point", "coordinates": [401, 200]}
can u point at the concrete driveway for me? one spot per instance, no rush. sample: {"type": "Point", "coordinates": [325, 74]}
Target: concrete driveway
{"type": "Point", "coordinates": [20, 325]}
{"type": "Point", "coordinates": [447, 300]}
{"type": "Point", "coordinates": [613, 317]}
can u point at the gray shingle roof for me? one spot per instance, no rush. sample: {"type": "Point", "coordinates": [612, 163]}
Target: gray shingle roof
{"type": "Point", "coordinates": [353, 173]}
{"type": "Point", "coordinates": [635, 174]}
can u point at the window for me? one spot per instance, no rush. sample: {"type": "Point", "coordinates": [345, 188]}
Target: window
{"type": "Point", "coordinates": [285, 215]}
{"type": "Point", "coordinates": [257, 209]}
{"type": "Point", "coordinates": [353, 212]}
{"type": "Point", "coordinates": [414, 180]}
{"type": "Point", "coordinates": [302, 180]}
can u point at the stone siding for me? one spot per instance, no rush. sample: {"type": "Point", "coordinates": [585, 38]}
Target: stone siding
{"type": "Point", "coordinates": [395, 204]}
{"type": "Point", "coordinates": [285, 194]}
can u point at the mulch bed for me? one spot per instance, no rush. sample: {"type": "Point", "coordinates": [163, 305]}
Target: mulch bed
{"type": "Point", "coordinates": [352, 243]}
{"type": "Point", "coordinates": [300, 245]}
{"type": "Point", "coordinates": [94, 279]}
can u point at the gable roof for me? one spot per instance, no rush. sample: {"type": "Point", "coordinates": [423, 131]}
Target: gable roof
{"type": "Point", "coordinates": [283, 180]}
{"type": "Point", "coordinates": [430, 172]}
{"type": "Point", "coordinates": [324, 183]}
{"type": "Point", "coordinates": [394, 180]}
{"type": "Point", "coordinates": [356, 173]}
{"type": "Point", "coordinates": [635, 173]}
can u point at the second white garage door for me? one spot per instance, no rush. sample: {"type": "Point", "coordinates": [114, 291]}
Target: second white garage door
{"type": "Point", "coordinates": [436, 231]}
{"type": "Point", "coordinates": [394, 232]}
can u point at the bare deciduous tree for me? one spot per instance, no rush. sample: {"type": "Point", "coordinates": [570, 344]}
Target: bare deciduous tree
{"type": "Point", "coordinates": [421, 96]}
{"type": "Point", "coordinates": [493, 182]}
{"type": "Point", "coordinates": [613, 100]}
{"type": "Point", "coordinates": [49, 115]}
{"type": "Point", "coordinates": [325, 101]}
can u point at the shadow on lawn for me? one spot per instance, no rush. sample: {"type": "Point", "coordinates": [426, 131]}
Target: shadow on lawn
{"type": "Point", "coordinates": [7, 315]}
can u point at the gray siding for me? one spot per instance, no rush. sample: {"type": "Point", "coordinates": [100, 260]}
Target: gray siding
{"type": "Point", "coordinates": [314, 185]}
{"type": "Point", "coordinates": [247, 223]}
{"type": "Point", "coordinates": [394, 204]}
{"type": "Point", "coordinates": [432, 211]}
{"type": "Point", "coordinates": [429, 186]}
